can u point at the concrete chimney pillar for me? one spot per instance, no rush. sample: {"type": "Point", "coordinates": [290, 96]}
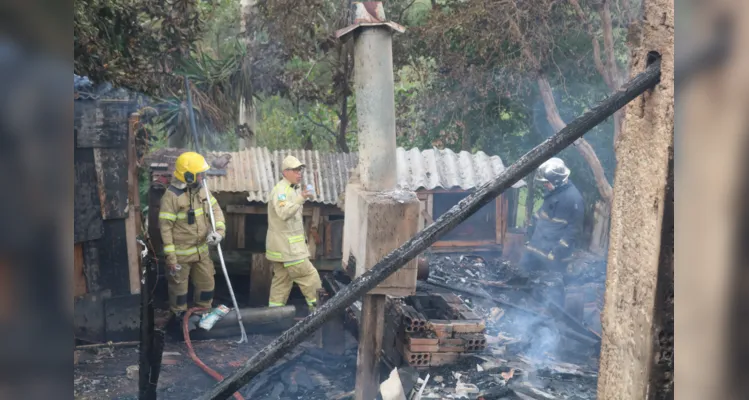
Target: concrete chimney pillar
{"type": "Point", "coordinates": [378, 218]}
{"type": "Point", "coordinates": [375, 105]}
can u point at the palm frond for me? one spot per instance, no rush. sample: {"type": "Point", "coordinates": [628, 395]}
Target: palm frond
{"type": "Point", "coordinates": [218, 86]}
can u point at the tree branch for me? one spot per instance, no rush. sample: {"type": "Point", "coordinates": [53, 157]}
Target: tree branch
{"type": "Point", "coordinates": [320, 125]}
{"type": "Point", "coordinates": [608, 43]}
{"type": "Point", "coordinates": [583, 147]}
{"type": "Point", "coordinates": [609, 71]}
{"type": "Point", "coordinates": [596, 45]}
{"type": "Point", "coordinates": [400, 16]}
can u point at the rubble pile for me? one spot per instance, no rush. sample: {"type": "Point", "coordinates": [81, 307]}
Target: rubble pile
{"type": "Point", "coordinates": [530, 352]}
{"type": "Point", "coordinates": [306, 373]}
{"type": "Point", "coordinates": [311, 374]}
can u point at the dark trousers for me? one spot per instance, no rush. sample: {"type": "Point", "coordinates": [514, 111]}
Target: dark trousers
{"type": "Point", "coordinates": [551, 274]}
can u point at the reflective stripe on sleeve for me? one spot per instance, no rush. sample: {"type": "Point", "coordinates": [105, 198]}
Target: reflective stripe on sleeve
{"type": "Point", "coordinates": [167, 216]}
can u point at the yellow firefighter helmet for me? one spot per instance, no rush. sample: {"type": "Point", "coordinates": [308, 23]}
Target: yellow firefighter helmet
{"type": "Point", "coordinates": [188, 166]}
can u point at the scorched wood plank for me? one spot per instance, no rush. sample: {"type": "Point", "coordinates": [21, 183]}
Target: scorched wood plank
{"type": "Point", "coordinates": [87, 221]}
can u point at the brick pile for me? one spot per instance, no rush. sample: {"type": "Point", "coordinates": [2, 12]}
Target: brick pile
{"type": "Point", "coordinates": [454, 331]}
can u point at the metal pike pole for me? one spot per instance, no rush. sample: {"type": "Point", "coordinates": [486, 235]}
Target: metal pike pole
{"type": "Point", "coordinates": [194, 130]}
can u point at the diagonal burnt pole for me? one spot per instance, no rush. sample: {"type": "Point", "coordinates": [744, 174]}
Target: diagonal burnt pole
{"type": "Point", "coordinates": [457, 214]}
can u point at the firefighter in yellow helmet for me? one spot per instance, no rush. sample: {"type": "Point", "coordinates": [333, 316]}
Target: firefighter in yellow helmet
{"type": "Point", "coordinates": [285, 243]}
{"type": "Point", "coordinates": [186, 231]}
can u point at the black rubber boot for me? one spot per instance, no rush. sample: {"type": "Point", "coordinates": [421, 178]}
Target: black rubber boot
{"type": "Point", "coordinates": [174, 326]}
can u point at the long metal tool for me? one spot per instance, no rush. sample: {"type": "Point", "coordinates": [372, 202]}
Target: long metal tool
{"type": "Point", "coordinates": [194, 130]}
{"type": "Point", "coordinates": [425, 238]}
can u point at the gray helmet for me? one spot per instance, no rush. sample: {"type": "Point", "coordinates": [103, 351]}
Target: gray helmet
{"type": "Point", "coordinates": [553, 171]}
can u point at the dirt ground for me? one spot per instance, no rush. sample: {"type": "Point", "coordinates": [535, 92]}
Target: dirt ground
{"type": "Point", "coordinates": [102, 373]}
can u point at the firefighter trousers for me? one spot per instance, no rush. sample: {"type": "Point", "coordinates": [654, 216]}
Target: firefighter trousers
{"type": "Point", "coordinates": [551, 274]}
{"type": "Point", "coordinates": [201, 274]}
{"type": "Point", "coordinates": [303, 273]}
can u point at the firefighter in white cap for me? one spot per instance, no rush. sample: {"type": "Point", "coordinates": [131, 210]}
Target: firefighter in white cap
{"type": "Point", "coordinates": [285, 243]}
{"type": "Point", "coordinates": [557, 224]}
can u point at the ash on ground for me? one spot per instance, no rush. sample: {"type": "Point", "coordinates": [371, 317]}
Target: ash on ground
{"type": "Point", "coordinates": [530, 353]}
{"type": "Point", "coordinates": [306, 373]}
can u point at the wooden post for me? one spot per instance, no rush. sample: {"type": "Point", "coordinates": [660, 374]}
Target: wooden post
{"type": "Point", "coordinates": [151, 341]}
{"type": "Point", "coordinates": [331, 337]}
{"type": "Point", "coordinates": [313, 236]}
{"type": "Point", "coordinates": [239, 227]}
{"type": "Point", "coordinates": [261, 275]}
{"type": "Point", "coordinates": [79, 280]}
{"type": "Point", "coordinates": [641, 235]}
{"type": "Point", "coordinates": [371, 332]}
{"type": "Point", "coordinates": [133, 222]}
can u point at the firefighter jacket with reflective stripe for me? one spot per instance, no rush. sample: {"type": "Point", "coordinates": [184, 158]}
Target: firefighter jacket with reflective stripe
{"type": "Point", "coordinates": [285, 241]}
{"type": "Point", "coordinates": [558, 223]}
{"type": "Point", "coordinates": [184, 242]}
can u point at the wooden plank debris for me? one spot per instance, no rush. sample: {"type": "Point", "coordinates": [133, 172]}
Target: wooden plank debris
{"type": "Point", "coordinates": [87, 220]}
{"type": "Point", "coordinates": [112, 178]}
{"type": "Point", "coordinates": [101, 124]}
{"type": "Point", "coordinates": [261, 276]}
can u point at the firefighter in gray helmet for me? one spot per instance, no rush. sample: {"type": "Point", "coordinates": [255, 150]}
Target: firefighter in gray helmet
{"type": "Point", "coordinates": [556, 226]}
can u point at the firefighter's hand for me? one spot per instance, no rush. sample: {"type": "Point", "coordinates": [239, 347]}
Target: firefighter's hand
{"type": "Point", "coordinates": [306, 194]}
{"type": "Point", "coordinates": [173, 268]}
{"type": "Point", "coordinates": [213, 239]}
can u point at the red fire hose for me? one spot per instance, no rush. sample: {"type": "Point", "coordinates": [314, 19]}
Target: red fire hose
{"type": "Point", "coordinates": [194, 356]}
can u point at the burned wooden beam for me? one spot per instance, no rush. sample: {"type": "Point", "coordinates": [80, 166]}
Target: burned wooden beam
{"type": "Point", "coordinates": [487, 297]}
{"type": "Point", "coordinates": [427, 237]}
{"type": "Point", "coordinates": [352, 313]}
{"type": "Point", "coordinates": [150, 342]}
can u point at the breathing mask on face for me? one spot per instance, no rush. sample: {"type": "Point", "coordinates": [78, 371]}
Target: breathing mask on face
{"type": "Point", "coordinates": [193, 180]}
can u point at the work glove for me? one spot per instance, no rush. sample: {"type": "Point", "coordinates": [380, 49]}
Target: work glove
{"type": "Point", "coordinates": [213, 239]}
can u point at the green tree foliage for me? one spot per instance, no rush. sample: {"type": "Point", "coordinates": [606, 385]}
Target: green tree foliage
{"type": "Point", "coordinates": [135, 43]}
{"type": "Point", "coordinates": [317, 68]}
{"type": "Point", "coordinates": [150, 46]}
{"type": "Point", "coordinates": [506, 68]}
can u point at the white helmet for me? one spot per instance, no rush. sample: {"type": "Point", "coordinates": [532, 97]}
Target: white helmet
{"type": "Point", "coordinates": [553, 171]}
